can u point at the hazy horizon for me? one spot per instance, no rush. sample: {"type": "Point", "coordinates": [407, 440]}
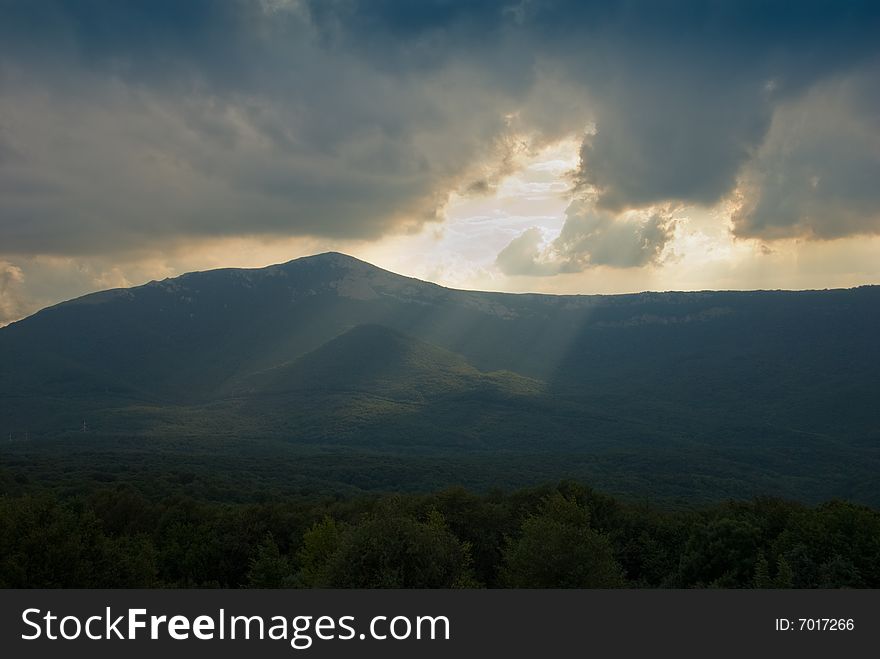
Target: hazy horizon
{"type": "Point", "coordinates": [457, 288]}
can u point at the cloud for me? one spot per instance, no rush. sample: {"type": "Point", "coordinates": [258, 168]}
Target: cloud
{"type": "Point", "coordinates": [13, 304]}
{"type": "Point", "coordinates": [116, 165]}
{"type": "Point", "coordinates": [591, 237]}
{"type": "Point", "coordinates": [816, 175]}
{"type": "Point", "coordinates": [682, 95]}
{"type": "Point", "coordinates": [147, 124]}
{"type": "Point", "coordinates": [672, 140]}
{"type": "Point", "coordinates": [526, 255]}
{"type": "Point", "coordinates": [151, 122]}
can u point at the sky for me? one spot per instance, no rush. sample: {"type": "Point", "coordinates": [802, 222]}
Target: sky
{"type": "Point", "coordinates": [559, 146]}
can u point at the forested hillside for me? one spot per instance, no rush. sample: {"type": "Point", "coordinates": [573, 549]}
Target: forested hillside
{"type": "Point", "coordinates": [355, 379]}
{"type": "Point", "coordinates": [561, 536]}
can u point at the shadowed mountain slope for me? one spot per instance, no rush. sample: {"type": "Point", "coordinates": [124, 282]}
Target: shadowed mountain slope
{"type": "Point", "coordinates": [329, 349]}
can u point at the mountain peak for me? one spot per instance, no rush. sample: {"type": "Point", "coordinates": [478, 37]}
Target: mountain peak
{"type": "Point", "coordinates": [333, 260]}
{"type": "Point", "coordinates": [349, 277]}
{"type": "Point", "coordinates": [338, 258]}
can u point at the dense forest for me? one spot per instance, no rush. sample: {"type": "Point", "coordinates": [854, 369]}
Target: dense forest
{"type": "Point", "coordinates": [567, 535]}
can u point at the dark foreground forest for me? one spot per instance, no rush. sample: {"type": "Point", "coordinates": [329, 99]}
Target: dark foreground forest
{"type": "Point", "coordinates": [566, 535]}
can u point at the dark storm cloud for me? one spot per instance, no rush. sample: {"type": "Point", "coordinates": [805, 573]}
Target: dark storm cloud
{"type": "Point", "coordinates": [685, 92]}
{"type": "Point", "coordinates": [147, 121]}
{"type": "Point", "coordinates": [244, 122]}
{"type": "Point", "coordinates": [817, 173]}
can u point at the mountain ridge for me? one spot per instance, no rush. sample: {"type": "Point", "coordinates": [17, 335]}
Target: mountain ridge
{"type": "Point", "coordinates": [340, 259]}
{"type": "Point", "coordinates": [750, 386]}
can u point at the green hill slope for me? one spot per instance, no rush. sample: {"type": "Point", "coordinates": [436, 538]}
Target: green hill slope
{"type": "Point", "coordinates": [731, 391]}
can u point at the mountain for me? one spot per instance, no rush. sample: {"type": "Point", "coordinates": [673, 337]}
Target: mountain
{"type": "Point", "coordinates": [728, 392]}
{"type": "Point", "coordinates": [368, 381]}
{"type": "Point", "coordinates": [382, 363]}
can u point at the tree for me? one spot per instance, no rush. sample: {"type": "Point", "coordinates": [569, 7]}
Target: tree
{"type": "Point", "coordinates": [269, 568]}
{"type": "Point", "coordinates": [721, 552]}
{"type": "Point", "coordinates": [558, 549]}
{"type": "Point", "coordinates": [840, 572]}
{"type": "Point", "coordinates": [390, 549]}
{"type": "Point", "coordinates": [762, 572]}
{"type": "Point", "coordinates": [784, 575]}
{"type": "Point", "coordinates": [319, 543]}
